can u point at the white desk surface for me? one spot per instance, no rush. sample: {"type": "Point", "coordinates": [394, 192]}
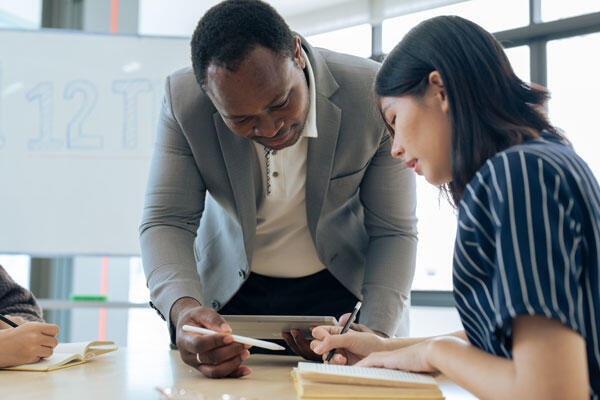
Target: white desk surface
{"type": "Point", "coordinates": [128, 374]}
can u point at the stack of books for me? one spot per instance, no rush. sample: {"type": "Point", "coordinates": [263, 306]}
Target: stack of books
{"type": "Point", "coordinates": [326, 381]}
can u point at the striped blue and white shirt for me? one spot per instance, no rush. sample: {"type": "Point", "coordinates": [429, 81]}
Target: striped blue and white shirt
{"type": "Point", "coordinates": [527, 243]}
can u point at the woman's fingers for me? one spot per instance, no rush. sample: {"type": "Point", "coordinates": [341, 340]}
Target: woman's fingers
{"type": "Point", "coordinates": [321, 332]}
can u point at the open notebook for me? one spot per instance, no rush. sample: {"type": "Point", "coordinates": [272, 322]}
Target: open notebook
{"type": "Point", "coordinates": [68, 354]}
{"type": "Point", "coordinates": [327, 381]}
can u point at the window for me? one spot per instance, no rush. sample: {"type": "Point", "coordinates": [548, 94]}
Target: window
{"type": "Point", "coordinates": [519, 59]}
{"type": "Point", "coordinates": [170, 18]}
{"type": "Point", "coordinates": [146, 328]}
{"type": "Point", "coordinates": [17, 267]}
{"type": "Point", "coordinates": [22, 14]}
{"type": "Point", "coordinates": [553, 9]}
{"type": "Point", "coordinates": [437, 220]}
{"type": "Point", "coordinates": [355, 40]}
{"type": "Point", "coordinates": [574, 106]}
{"type": "Point", "coordinates": [493, 16]}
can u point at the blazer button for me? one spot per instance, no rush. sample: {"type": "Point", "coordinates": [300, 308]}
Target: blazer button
{"type": "Point", "coordinates": [215, 304]}
{"type": "Point", "coordinates": [242, 273]}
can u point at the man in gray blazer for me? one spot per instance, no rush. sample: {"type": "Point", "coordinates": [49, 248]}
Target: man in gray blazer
{"type": "Point", "coordinates": [272, 190]}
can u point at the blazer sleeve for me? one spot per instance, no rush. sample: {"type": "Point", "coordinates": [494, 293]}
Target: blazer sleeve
{"type": "Point", "coordinates": [388, 194]}
{"type": "Point", "coordinates": [16, 300]}
{"type": "Point", "coordinates": [173, 205]}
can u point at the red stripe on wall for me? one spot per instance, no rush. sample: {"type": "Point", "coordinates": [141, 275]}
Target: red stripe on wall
{"type": "Point", "coordinates": [114, 13]}
{"type": "Point", "coordinates": [103, 291]}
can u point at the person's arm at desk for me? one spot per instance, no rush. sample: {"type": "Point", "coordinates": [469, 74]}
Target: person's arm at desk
{"type": "Point", "coordinates": [173, 207]}
{"type": "Point", "coordinates": [353, 346]}
{"type": "Point", "coordinates": [216, 355]}
{"type": "Point", "coordinates": [388, 195]}
{"type": "Point", "coordinates": [27, 343]}
{"type": "Point", "coordinates": [549, 359]}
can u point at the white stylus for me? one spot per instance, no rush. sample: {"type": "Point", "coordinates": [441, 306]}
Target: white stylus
{"type": "Point", "coordinates": [240, 339]}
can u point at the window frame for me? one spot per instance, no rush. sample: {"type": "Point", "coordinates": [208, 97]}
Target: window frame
{"type": "Point", "coordinates": [536, 35]}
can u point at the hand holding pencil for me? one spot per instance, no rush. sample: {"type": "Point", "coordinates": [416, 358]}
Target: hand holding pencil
{"type": "Point", "coordinates": [26, 343]}
{"type": "Point", "coordinates": [345, 345]}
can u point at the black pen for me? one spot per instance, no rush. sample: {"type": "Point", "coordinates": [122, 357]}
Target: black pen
{"type": "Point", "coordinates": [8, 321]}
{"type": "Point", "coordinates": [346, 327]}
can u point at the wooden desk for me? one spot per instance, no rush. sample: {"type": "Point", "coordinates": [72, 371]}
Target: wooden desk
{"type": "Point", "coordinates": [135, 375]}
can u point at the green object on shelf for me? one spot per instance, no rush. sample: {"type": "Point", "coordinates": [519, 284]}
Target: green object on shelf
{"type": "Point", "coordinates": [86, 297]}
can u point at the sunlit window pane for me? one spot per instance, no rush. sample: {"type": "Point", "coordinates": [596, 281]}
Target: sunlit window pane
{"type": "Point", "coordinates": [437, 220]}
{"type": "Point", "coordinates": [355, 40]}
{"type": "Point", "coordinates": [146, 328]}
{"type": "Point", "coordinates": [437, 230]}
{"type": "Point", "coordinates": [494, 16]}
{"type": "Point", "coordinates": [574, 105]}
{"type": "Point", "coordinates": [554, 9]}
{"type": "Point", "coordinates": [17, 267]}
{"type": "Point", "coordinates": [21, 14]}
{"type": "Point", "coordinates": [519, 60]}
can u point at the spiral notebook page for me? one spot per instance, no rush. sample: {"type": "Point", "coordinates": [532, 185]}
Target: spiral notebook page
{"type": "Point", "coordinates": [343, 373]}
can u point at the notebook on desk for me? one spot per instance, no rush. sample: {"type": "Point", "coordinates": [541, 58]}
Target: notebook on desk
{"type": "Point", "coordinates": [326, 381]}
{"type": "Point", "coordinates": [67, 355]}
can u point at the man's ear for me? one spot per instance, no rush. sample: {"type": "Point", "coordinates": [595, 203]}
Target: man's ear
{"type": "Point", "coordinates": [298, 58]}
{"type": "Point", "coordinates": [436, 85]}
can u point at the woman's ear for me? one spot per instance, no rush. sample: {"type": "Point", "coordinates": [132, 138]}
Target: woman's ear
{"type": "Point", "coordinates": [436, 84]}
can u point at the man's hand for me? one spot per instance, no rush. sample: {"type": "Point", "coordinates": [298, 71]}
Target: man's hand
{"type": "Point", "coordinates": [27, 343]}
{"type": "Point", "coordinates": [300, 345]}
{"type": "Point", "coordinates": [216, 355]}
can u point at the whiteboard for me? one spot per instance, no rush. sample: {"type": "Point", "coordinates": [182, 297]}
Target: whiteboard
{"type": "Point", "coordinates": [78, 114]}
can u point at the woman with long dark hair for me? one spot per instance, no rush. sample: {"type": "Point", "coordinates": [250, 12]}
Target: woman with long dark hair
{"type": "Point", "coordinates": [526, 258]}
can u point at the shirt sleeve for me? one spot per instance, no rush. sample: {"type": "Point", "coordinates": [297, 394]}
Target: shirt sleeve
{"type": "Point", "coordinates": [16, 300]}
{"type": "Point", "coordinates": [538, 242]}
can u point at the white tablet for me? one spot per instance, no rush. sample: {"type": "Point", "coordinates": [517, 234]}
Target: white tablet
{"type": "Point", "coordinates": [271, 326]}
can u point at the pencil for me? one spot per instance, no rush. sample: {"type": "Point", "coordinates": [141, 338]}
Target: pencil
{"type": "Point", "coordinates": [346, 327]}
{"type": "Point", "coordinates": [7, 321]}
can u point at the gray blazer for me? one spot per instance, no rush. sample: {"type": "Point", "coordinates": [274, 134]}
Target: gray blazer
{"type": "Point", "coordinates": [199, 221]}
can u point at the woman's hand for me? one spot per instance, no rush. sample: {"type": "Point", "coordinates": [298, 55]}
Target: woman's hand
{"type": "Point", "coordinates": [27, 343]}
{"type": "Point", "coordinates": [350, 347]}
{"type": "Point", "coordinates": [412, 358]}
{"type": "Point", "coordinates": [15, 319]}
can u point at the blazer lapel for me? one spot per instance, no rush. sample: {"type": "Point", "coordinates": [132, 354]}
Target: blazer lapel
{"type": "Point", "coordinates": [239, 160]}
{"type": "Point", "coordinates": [321, 150]}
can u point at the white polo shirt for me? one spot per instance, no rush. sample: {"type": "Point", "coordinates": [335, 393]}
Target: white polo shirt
{"type": "Point", "coordinates": [283, 246]}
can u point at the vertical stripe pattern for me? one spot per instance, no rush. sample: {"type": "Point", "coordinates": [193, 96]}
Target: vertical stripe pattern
{"type": "Point", "coordinates": [528, 243]}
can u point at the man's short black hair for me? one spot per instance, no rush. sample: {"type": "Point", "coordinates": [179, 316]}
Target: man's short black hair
{"type": "Point", "coordinates": [231, 29]}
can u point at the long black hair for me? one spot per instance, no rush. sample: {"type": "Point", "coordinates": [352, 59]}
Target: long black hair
{"type": "Point", "coordinates": [491, 109]}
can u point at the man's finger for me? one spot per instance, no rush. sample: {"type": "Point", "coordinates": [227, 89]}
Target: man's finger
{"type": "Point", "coordinates": [289, 340]}
{"type": "Point", "coordinates": [197, 343]}
{"type": "Point", "coordinates": [338, 358]}
{"type": "Point", "coordinates": [226, 368]}
{"type": "Point", "coordinates": [218, 355]}
{"type": "Point", "coordinates": [210, 319]}
{"type": "Point", "coordinates": [241, 371]}
{"type": "Point", "coordinates": [304, 346]}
